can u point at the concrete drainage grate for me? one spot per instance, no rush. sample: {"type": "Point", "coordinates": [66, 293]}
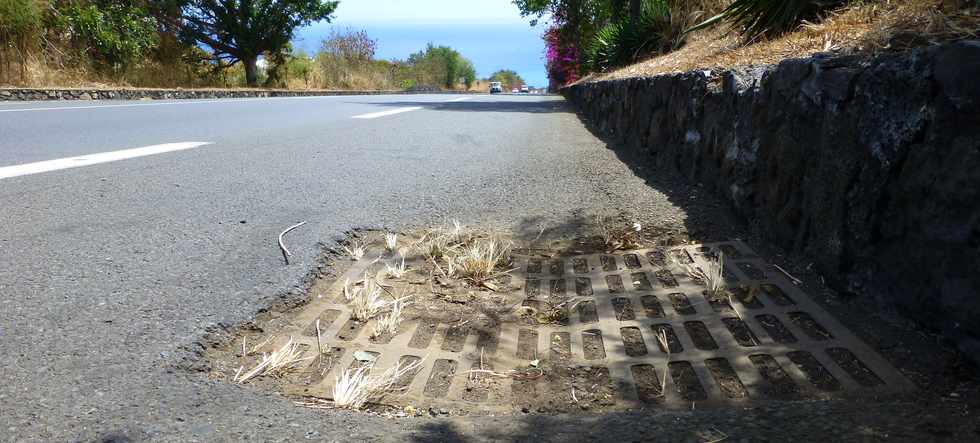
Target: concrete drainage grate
{"type": "Point", "coordinates": [774, 344]}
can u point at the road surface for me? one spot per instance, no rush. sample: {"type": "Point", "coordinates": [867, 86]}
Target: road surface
{"type": "Point", "coordinates": [127, 229]}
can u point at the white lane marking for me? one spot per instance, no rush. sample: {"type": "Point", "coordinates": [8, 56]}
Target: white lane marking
{"type": "Point", "coordinates": [93, 159]}
{"type": "Point", "coordinates": [386, 113]}
{"type": "Point", "coordinates": [459, 99]}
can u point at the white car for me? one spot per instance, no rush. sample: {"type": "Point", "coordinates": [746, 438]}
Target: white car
{"type": "Point", "coordinates": [496, 87]}
{"type": "Point", "coordinates": [514, 91]}
{"type": "Point", "coordinates": [525, 90]}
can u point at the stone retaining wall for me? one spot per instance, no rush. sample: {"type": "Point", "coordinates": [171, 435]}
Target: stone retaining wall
{"type": "Point", "coordinates": [871, 167]}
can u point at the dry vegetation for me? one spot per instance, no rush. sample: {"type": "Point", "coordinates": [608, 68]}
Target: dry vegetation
{"type": "Point", "coordinates": [864, 26]}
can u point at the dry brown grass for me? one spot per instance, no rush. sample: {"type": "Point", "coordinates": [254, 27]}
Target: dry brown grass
{"type": "Point", "coordinates": [864, 27]}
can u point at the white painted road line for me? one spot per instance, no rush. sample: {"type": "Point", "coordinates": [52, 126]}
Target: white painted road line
{"type": "Point", "coordinates": [459, 99]}
{"type": "Point", "coordinates": [386, 113]}
{"type": "Point", "coordinates": [93, 159]}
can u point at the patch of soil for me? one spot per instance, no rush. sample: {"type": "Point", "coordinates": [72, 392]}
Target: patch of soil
{"type": "Point", "coordinates": [666, 279]}
{"type": "Point", "coordinates": [624, 308]}
{"type": "Point", "coordinates": [818, 375]}
{"type": "Point", "coordinates": [776, 329]}
{"type": "Point", "coordinates": [854, 367]}
{"type": "Point", "coordinates": [686, 381]}
{"type": "Point", "coordinates": [700, 336]}
{"type": "Point", "coordinates": [587, 312]}
{"type": "Point", "coordinates": [741, 332]}
{"type": "Point", "coordinates": [583, 286]}
{"type": "Point", "coordinates": [652, 306]}
{"type": "Point", "coordinates": [776, 295]}
{"type": "Point", "coordinates": [527, 344]}
{"type": "Point", "coordinates": [778, 383]}
{"type": "Point", "coordinates": [437, 386]}
{"type": "Point", "coordinates": [633, 341]}
{"type": "Point", "coordinates": [615, 284]}
{"type": "Point", "coordinates": [682, 305]}
{"type": "Point", "coordinates": [649, 388]}
{"type": "Point", "coordinates": [640, 281]}
{"type": "Point", "coordinates": [592, 344]}
{"type": "Point", "coordinates": [726, 378]}
{"type": "Point", "coordinates": [810, 326]}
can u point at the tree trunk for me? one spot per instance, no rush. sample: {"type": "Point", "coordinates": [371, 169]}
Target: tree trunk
{"type": "Point", "coordinates": [251, 71]}
{"type": "Point", "coordinates": [636, 8]}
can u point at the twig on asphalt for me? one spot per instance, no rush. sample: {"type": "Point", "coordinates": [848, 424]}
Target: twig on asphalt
{"type": "Point", "coordinates": [795, 280]}
{"type": "Point", "coordinates": [285, 252]}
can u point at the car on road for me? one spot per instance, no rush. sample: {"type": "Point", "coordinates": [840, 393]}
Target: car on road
{"type": "Point", "coordinates": [525, 90]}
{"type": "Point", "coordinates": [496, 87]}
{"type": "Point", "coordinates": [514, 91]}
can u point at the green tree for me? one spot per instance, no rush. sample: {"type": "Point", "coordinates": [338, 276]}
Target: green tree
{"type": "Point", "coordinates": [508, 78]}
{"type": "Point", "coordinates": [441, 66]}
{"type": "Point", "coordinates": [242, 30]}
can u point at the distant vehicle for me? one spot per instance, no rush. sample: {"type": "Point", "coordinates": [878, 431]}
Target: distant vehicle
{"type": "Point", "coordinates": [514, 91]}
{"type": "Point", "coordinates": [525, 90]}
{"type": "Point", "coordinates": [496, 87]}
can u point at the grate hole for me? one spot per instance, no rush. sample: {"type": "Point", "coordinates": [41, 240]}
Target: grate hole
{"type": "Point", "coordinates": [815, 372]}
{"type": "Point", "coordinates": [700, 336]}
{"type": "Point", "coordinates": [592, 345]}
{"type": "Point", "coordinates": [748, 296]}
{"type": "Point", "coordinates": [557, 289]}
{"type": "Point", "coordinates": [730, 251]}
{"type": "Point", "coordinates": [423, 335]}
{"type": "Point", "coordinates": [608, 263]}
{"type": "Point", "coordinates": [350, 330]}
{"type": "Point", "coordinates": [320, 367]}
{"type": "Point", "coordinates": [487, 339]}
{"type": "Point", "coordinates": [534, 266]}
{"type": "Point", "coordinates": [682, 305]}
{"type": "Point", "coordinates": [672, 341]}
{"type": "Point", "coordinates": [455, 338]}
{"type": "Point", "coordinates": [718, 303]}
{"type": "Point", "coordinates": [776, 329]}
{"type": "Point", "coordinates": [741, 332]}
{"type": "Point", "coordinates": [632, 261]}
{"type": "Point", "coordinates": [777, 295]}
{"type": "Point", "coordinates": [649, 386]}
{"type": "Point", "coordinates": [854, 367]}
{"type": "Point", "coordinates": [326, 318]}
{"type": "Point", "coordinates": [478, 383]}
{"type": "Point", "coordinates": [583, 286]}
{"type": "Point", "coordinates": [751, 271]}
{"type": "Point", "coordinates": [640, 281]}
{"type": "Point", "coordinates": [527, 344]}
{"type": "Point", "coordinates": [406, 378]}
{"type": "Point", "coordinates": [615, 284]}
{"type": "Point", "coordinates": [580, 266]}
{"type": "Point", "coordinates": [652, 306]}
{"type": "Point", "coordinates": [657, 258]}
{"type": "Point", "coordinates": [666, 279]}
{"type": "Point", "coordinates": [778, 383]}
{"type": "Point", "coordinates": [810, 326]}
{"type": "Point", "coordinates": [440, 379]}
{"type": "Point", "coordinates": [624, 309]}
{"type": "Point", "coordinates": [532, 288]}
{"type": "Point", "coordinates": [681, 256]}
{"type": "Point", "coordinates": [633, 342]}
{"type": "Point", "coordinates": [587, 312]}
{"type": "Point", "coordinates": [556, 267]}
{"type": "Point", "coordinates": [561, 346]}
{"type": "Point", "coordinates": [726, 378]}
{"type": "Point", "coordinates": [686, 381]}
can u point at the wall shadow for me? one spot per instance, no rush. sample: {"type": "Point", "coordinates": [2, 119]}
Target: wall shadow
{"type": "Point", "coordinates": [517, 106]}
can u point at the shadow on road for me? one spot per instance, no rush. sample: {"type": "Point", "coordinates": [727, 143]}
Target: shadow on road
{"type": "Point", "coordinates": [518, 106]}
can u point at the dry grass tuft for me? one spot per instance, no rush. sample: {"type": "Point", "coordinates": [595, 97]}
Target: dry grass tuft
{"type": "Point", "coordinates": [356, 387]}
{"type": "Point", "coordinates": [862, 27]}
{"type": "Point", "coordinates": [388, 323]}
{"type": "Point", "coordinates": [278, 362]}
{"type": "Point", "coordinates": [355, 250]}
{"type": "Point", "coordinates": [457, 252]}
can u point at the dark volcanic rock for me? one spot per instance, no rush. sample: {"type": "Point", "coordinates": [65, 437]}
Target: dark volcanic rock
{"type": "Point", "coordinates": [871, 167]}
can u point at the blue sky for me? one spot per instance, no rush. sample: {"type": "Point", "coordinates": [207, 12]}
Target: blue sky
{"type": "Point", "coordinates": [491, 33]}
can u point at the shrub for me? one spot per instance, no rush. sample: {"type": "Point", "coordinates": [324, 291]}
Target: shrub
{"type": "Point", "coordinates": [755, 18]}
{"type": "Point", "coordinates": [20, 23]}
{"type": "Point", "coordinates": [113, 34]}
{"type": "Point", "coordinates": [622, 42]}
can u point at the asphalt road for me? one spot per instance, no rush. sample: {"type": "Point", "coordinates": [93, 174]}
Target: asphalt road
{"type": "Point", "coordinates": [110, 267]}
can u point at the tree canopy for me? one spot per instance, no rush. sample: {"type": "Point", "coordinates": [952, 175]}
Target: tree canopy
{"type": "Point", "coordinates": [242, 30]}
{"type": "Point", "coordinates": [508, 78]}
